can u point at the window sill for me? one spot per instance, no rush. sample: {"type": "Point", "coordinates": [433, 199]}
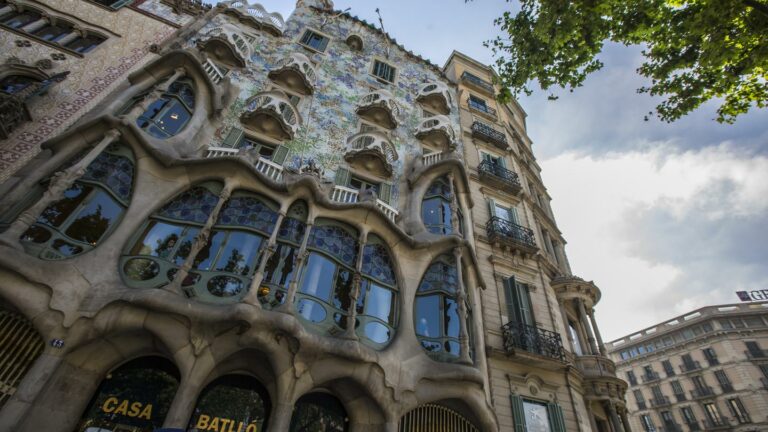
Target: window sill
{"type": "Point", "coordinates": [42, 41]}
{"type": "Point", "coordinates": [310, 49]}
{"type": "Point", "coordinates": [107, 8]}
{"type": "Point", "coordinates": [381, 80]}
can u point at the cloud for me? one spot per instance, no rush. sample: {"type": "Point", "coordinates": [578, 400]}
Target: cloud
{"type": "Point", "coordinates": [663, 232]}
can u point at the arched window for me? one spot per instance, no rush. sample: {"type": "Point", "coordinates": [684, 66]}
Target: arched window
{"type": "Point", "coordinates": [436, 310]}
{"type": "Point", "coordinates": [21, 346]}
{"type": "Point", "coordinates": [280, 267]}
{"type": "Point", "coordinates": [436, 207]}
{"type": "Point", "coordinates": [319, 412]}
{"type": "Point", "coordinates": [134, 397]}
{"type": "Point", "coordinates": [327, 278]}
{"type": "Point", "coordinates": [239, 401]}
{"type": "Point", "coordinates": [22, 18]}
{"type": "Point", "coordinates": [167, 238]}
{"type": "Point", "coordinates": [377, 304]}
{"type": "Point", "coordinates": [168, 115]}
{"type": "Point", "coordinates": [84, 44]}
{"type": "Point", "coordinates": [53, 32]}
{"type": "Point", "coordinates": [13, 84]}
{"type": "Point", "coordinates": [89, 211]}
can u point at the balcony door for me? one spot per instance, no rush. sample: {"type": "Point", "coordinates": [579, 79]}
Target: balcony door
{"type": "Point", "coordinates": [504, 211]}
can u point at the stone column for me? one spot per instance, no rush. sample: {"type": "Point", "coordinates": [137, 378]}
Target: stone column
{"type": "Point", "coordinates": [293, 286]}
{"type": "Point", "coordinates": [592, 421]}
{"type": "Point", "coordinates": [141, 107]}
{"type": "Point", "coordinates": [60, 182]}
{"type": "Point", "coordinates": [461, 298]}
{"type": "Point", "coordinates": [454, 207]}
{"type": "Point", "coordinates": [183, 404]}
{"type": "Point", "coordinates": [600, 343]}
{"type": "Point", "coordinates": [617, 427]}
{"type": "Point", "coordinates": [280, 419]}
{"type": "Point", "coordinates": [357, 280]}
{"type": "Point", "coordinates": [200, 241]}
{"type": "Point", "coordinates": [625, 420]}
{"type": "Point", "coordinates": [35, 25]}
{"type": "Point", "coordinates": [31, 385]}
{"type": "Point", "coordinates": [587, 327]}
{"type": "Point", "coordinates": [74, 34]}
{"type": "Point", "coordinates": [253, 294]}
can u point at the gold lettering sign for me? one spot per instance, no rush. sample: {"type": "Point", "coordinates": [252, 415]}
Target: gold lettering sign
{"type": "Point", "coordinates": [127, 408]}
{"type": "Point", "coordinates": [218, 424]}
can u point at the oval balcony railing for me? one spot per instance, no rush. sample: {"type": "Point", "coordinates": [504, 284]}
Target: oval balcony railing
{"type": "Point", "coordinates": [500, 177]}
{"type": "Point", "coordinates": [295, 71]}
{"type": "Point", "coordinates": [532, 339]}
{"type": "Point", "coordinates": [264, 166]}
{"type": "Point", "coordinates": [272, 113]}
{"type": "Point", "coordinates": [510, 234]}
{"type": "Point", "coordinates": [272, 22]}
{"type": "Point", "coordinates": [437, 96]}
{"type": "Point", "coordinates": [230, 37]}
{"type": "Point", "coordinates": [437, 132]}
{"type": "Point", "coordinates": [379, 106]}
{"type": "Point", "coordinates": [372, 144]}
{"type": "Point", "coordinates": [346, 195]}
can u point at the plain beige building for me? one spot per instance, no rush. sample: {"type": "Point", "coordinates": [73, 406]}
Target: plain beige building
{"type": "Point", "coordinates": [705, 370]}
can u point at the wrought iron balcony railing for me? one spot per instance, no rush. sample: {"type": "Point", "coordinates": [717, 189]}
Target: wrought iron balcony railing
{"type": "Point", "coordinates": [499, 176]}
{"type": "Point", "coordinates": [642, 406]}
{"type": "Point", "coordinates": [487, 133]}
{"type": "Point", "coordinates": [716, 424]}
{"type": "Point", "coordinates": [660, 401]}
{"type": "Point", "coordinates": [533, 339]}
{"type": "Point", "coordinates": [477, 82]}
{"type": "Point", "coordinates": [681, 397]}
{"type": "Point", "coordinates": [756, 353]}
{"type": "Point", "coordinates": [650, 376]}
{"type": "Point", "coordinates": [727, 387]}
{"type": "Point", "coordinates": [694, 426]}
{"type": "Point", "coordinates": [702, 392]}
{"type": "Point", "coordinates": [503, 231]}
{"type": "Point", "coordinates": [482, 107]}
{"type": "Point", "coordinates": [690, 366]}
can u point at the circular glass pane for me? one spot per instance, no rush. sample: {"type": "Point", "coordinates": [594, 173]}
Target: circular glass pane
{"type": "Point", "coordinates": [377, 332]}
{"type": "Point", "coordinates": [311, 310]}
{"type": "Point", "coordinates": [141, 269]}
{"type": "Point", "coordinates": [225, 286]}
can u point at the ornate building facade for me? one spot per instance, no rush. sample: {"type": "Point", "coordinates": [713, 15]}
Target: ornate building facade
{"type": "Point", "coordinates": [704, 370]}
{"type": "Point", "coordinates": [218, 219]}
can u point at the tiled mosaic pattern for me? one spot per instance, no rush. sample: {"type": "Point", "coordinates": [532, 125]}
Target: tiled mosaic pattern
{"type": "Point", "coordinates": [163, 11]}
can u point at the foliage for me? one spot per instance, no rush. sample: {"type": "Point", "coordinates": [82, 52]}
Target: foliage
{"type": "Point", "coordinates": [695, 50]}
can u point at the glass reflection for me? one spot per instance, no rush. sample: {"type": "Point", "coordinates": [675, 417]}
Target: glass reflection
{"type": "Point", "coordinates": [168, 115]}
{"type": "Point", "coordinates": [239, 401]}
{"type": "Point", "coordinates": [319, 412]}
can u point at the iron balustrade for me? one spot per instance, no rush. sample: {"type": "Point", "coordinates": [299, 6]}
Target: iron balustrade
{"type": "Point", "coordinates": [533, 339]}
{"type": "Point", "coordinates": [672, 427]}
{"type": "Point", "coordinates": [694, 426]}
{"type": "Point", "coordinates": [702, 392]}
{"type": "Point", "coordinates": [681, 397]}
{"type": "Point", "coordinates": [482, 107]}
{"type": "Point", "coordinates": [499, 229]}
{"type": "Point", "coordinates": [477, 82]}
{"type": "Point", "coordinates": [487, 133]}
{"type": "Point", "coordinates": [727, 387]}
{"type": "Point", "coordinates": [658, 401]}
{"type": "Point", "coordinates": [690, 366]}
{"type": "Point", "coordinates": [641, 406]}
{"type": "Point", "coordinates": [650, 376]}
{"type": "Point", "coordinates": [710, 424]}
{"type": "Point", "coordinates": [510, 178]}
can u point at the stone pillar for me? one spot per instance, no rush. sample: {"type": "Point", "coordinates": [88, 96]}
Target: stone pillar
{"type": "Point", "coordinates": [600, 343]}
{"type": "Point", "coordinates": [625, 420]}
{"type": "Point", "coordinates": [31, 385]}
{"type": "Point", "coordinates": [141, 107]}
{"type": "Point", "coordinates": [454, 207]}
{"type": "Point", "coordinates": [5, 9]}
{"type": "Point", "coordinates": [60, 182]}
{"type": "Point", "coordinates": [35, 25]}
{"type": "Point", "coordinates": [200, 241]}
{"type": "Point", "coordinates": [280, 419]}
{"type": "Point", "coordinates": [461, 299]}
{"type": "Point", "coordinates": [587, 327]}
{"type": "Point", "coordinates": [252, 297]}
{"type": "Point", "coordinates": [183, 404]}
{"type": "Point", "coordinates": [617, 427]}
{"type": "Point", "coordinates": [293, 286]}
{"type": "Point", "coordinates": [592, 421]}
{"type": "Point", "coordinates": [357, 280]}
{"type": "Point", "coordinates": [74, 34]}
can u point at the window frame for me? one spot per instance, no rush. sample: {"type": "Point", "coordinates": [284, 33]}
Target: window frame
{"type": "Point", "coordinates": [372, 71]}
{"type": "Point", "coordinates": [301, 37]}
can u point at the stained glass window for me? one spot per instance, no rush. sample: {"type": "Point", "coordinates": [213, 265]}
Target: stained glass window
{"type": "Point", "coordinates": [192, 205]}
{"type": "Point", "coordinates": [169, 114]}
{"type": "Point", "coordinates": [335, 240]}
{"type": "Point", "coordinates": [436, 207]}
{"type": "Point", "coordinates": [376, 305]}
{"type": "Point", "coordinates": [279, 270]}
{"type": "Point", "coordinates": [88, 211]}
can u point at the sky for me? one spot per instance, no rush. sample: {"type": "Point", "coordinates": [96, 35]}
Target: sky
{"type": "Point", "coordinates": [665, 218]}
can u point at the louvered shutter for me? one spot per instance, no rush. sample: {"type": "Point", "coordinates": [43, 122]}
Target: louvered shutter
{"type": "Point", "coordinates": [491, 208]}
{"type": "Point", "coordinates": [509, 294]}
{"type": "Point", "coordinates": [556, 419]}
{"type": "Point", "coordinates": [518, 413]}
{"type": "Point", "coordinates": [513, 216]}
{"type": "Point", "coordinates": [342, 176]}
{"type": "Point", "coordinates": [524, 304]}
{"type": "Point", "coordinates": [280, 154]}
{"type": "Point", "coordinates": [385, 193]}
{"type": "Point", "coordinates": [234, 137]}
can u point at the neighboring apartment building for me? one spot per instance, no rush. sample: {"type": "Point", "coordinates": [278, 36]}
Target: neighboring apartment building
{"type": "Point", "coordinates": [705, 370]}
{"type": "Point", "coordinates": [268, 224]}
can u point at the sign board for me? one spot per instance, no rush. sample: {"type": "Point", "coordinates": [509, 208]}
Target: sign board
{"type": "Point", "coordinates": [756, 295]}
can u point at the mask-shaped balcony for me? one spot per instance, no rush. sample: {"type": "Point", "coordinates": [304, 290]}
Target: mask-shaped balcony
{"type": "Point", "coordinates": [295, 72]}
{"type": "Point", "coordinates": [371, 151]}
{"type": "Point", "coordinates": [227, 45]}
{"type": "Point", "coordinates": [379, 107]}
{"type": "Point", "coordinates": [255, 15]}
{"type": "Point", "coordinates": [436, 131]}
{"type": "Point", "coordinates": [436, 97]}
{"type": "Point", "coordinates": [272, 114]}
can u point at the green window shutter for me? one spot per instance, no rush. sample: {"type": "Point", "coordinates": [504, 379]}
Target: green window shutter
{"type": "Point", "coordinates": [518, 413]}
{"type": "Point", "coordinates": [491, 208]}
{"type": "Point", "coordinates": [524, 304]}
{"type": "Point", "coordinates": [342, 176]}
{"type": "Point", "coordinates": [280, 154]}
{"type": "Point", "coordinates": [233, 138]}
{"type": "Point", "coordinates": [305, 38]}
{"type": "Point", "coordinates": [385, 193]}
{"type": "Point", "coordinates": [503, 161]}
{"type": "Point", "coordinates": [509, 294]}
{"type": "Point", "coordinates": [556, 420]}
{"type": "Point", "coordinates": [323, 44]}
{"type": "Point", "coordinates": [513, 216]}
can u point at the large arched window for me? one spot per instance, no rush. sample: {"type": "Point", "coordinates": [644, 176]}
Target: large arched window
{"type": "Point", "coordinates": [21, 18]}
{"type": "Point", "coordinates": [168, 115]}
{"type": "Point", "coordinates": [320, 412]}
{"type": "Point", "coordinates": [377, 304]}
{"type": "Point", "coordinates": [89, 211]}
{"type": "Point", "coordinates": [21, 346]}
{"type": "Point", "coordinates": [12, 84]}
{"type": "Point", "coordinates": [436, 207]}
{"type": "Point", "coordinates": [134, 397]}
{"type": "Point", "coordinates": [436, 310]}
{"type": "Point", "coordinates": [328, 275]}
{"type": "Point", "coordinates": [232, 403]}
{"type": "Point", "coordinates": [166, 239]}
{"type": "Point", "coordinates": [280, 266]}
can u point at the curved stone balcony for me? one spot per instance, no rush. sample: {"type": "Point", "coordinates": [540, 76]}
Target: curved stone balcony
{"type": "Point", "coordinates": [295, 72]}
{"type": "Point", "coordinates": [436, 96]}
{"type": "Point", "coordinates": [572, 287]}
{"type": "Point", "coordinates": [272, 114]}
{"type": "Point", "coordinates": [256, 15]}
{"type": "Point", "coordinates": [437, 132]}
{"type": "Point", "coordinates": [379, 106]}
{"type": "Point", "coordinates": [227, 43]}
{"type": "Point", "coordinates": [373, 151]}
{"type": "Point", "coordinates": [595, 366]}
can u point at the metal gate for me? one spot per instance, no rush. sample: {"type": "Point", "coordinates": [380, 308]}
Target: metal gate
{"type": "Point", "coordinates": [20, 345]}
{"type": "Point", "coordinates": [435, 418]}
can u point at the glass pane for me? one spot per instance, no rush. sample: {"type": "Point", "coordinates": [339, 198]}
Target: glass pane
{"type": "Point", "coordinates": [311, 310]}
{"type": "Point", "coordinates": [447, 226]}
{"type": "Point", "coordinates": [235, 400]}
{"type": "Point", "coordinates": [451, 318]}
{"type": "Point", "coordinates": [152, 111]}
{"type": "Point", "coordinates": [204, 258]}
{"type": "Point", "coordinates": [114, 171]}
{"type": "Point", "coordinates": [239, 254]}
{"type": "Point", "coordinates": [57, 212]}
{"type": "Point", "coordinates": [432, 346]}
{"type": "Point", "coordinates": [292, 230]}
{"type": "Point", "coordinates": [185, 246]}
{"type": "Point", "coordinates": [452, 347]}
{"type": "Point", "coordinates": [52, 33]}
{"type": "Point", "coordinates": [428, 316]}
{"type": "Point", "coordinates": [379, 304]}
{"type": "Point", "coordinates": [36, 234]}
{"type": "Point", "coordinates": [15, 83]}
{"type": "Point", "coordinates": [173, 118]}
{"type": "Point", "coordinates": [377, 332]}
{"type": "Point", "coordinates": [17, 21]}
{"type": "Point", "coordinates": [440, 276]}
{"type": "Point", "coordinates": [536, 417]}
{"type": "Point", "coordinates": [280, 266]}
{"type": "Point", "coordinates": [318, 278]}
{"type": "Point", "coordinates": [95, 219]}
{"type": "Point", "coordinates": [65, 248]}
{"type": "Point", "coordinates": [341, 297]}
{"type": "Point", "coordinates": [141, 269]}
{"type": "Point", "coordinates": [248, 211]}
{"type": "Point", "coordinates": [158, 240]}
{"type": "Point", "coordinates": [225, 286]}
{"type": "Point", "coordinates": [318, 412]}
{"type": "Point", "coordinates": [184, 91]}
